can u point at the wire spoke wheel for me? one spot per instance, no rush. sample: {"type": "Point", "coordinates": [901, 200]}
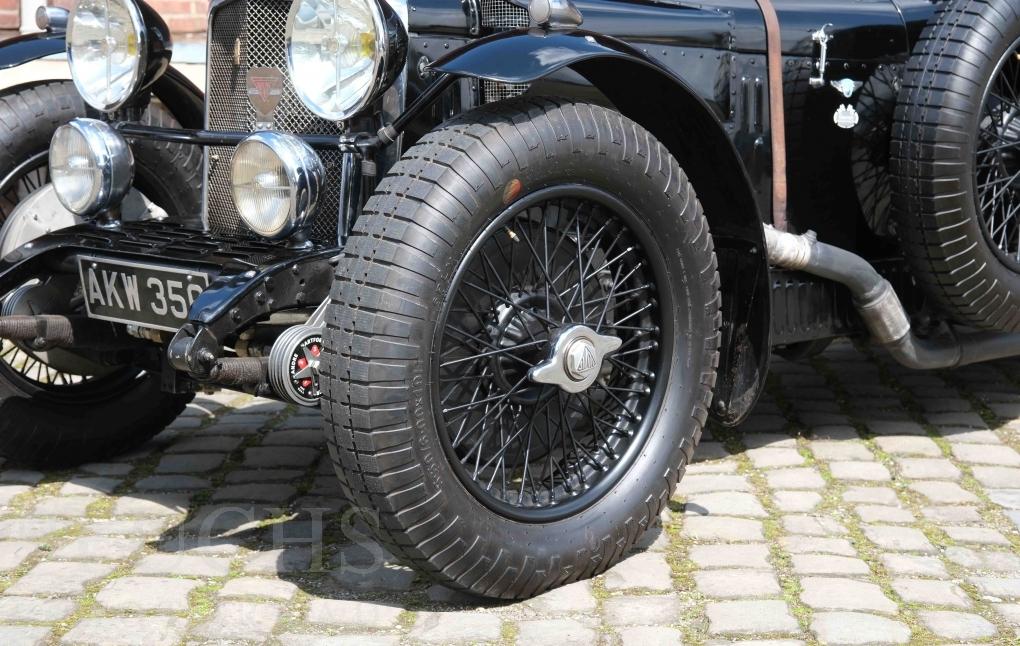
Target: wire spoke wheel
{"type": "Point", "coordinates": [997, 160]}
{"type": "Point", "coordinates": [67, 406]}
{"type": "Point", "coordinates": [19, 361]}
{"type": "Point", "coordinates": [567, 264]}
{"type": "Point", "coordinates": [34, 369]}
{"type": "Point", "coordinates": [519, 357]}
{"type": "Point", "coordinates": [26, 178]}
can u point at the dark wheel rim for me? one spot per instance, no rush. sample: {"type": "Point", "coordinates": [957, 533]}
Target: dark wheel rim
{"type": "Point", "coordinates": [869, 149]}
{"type": "Point", "coordinates": [26, 178]}
{"type": "Point", "coordinates": [997, 160]}
{"type": "Point", "coordinates": [561, 258]}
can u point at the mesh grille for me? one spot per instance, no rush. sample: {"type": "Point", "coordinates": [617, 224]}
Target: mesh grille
{"type": "Point", "coordinates": [502, 15]}
{"type": "Point", "coordinates": [496, 91]}
{"type": "Point", "coordinates": [229, 109]}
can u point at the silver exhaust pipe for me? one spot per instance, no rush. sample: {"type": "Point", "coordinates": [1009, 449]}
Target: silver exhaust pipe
{"type": "Point", "coordinates": [880, 307]}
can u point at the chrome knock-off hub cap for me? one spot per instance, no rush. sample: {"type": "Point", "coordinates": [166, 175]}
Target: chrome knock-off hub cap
{"type": "Point", "coordinates": [575, 359]}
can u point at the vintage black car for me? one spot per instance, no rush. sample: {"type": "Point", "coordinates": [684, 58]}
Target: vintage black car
{"type": "Point", "coordinates": [518, 254]}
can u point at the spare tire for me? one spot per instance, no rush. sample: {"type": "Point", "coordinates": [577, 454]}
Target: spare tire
{"type": "Point", "coordinates": [955, 161]}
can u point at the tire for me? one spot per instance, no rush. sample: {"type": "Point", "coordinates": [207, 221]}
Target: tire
{"type": "Point", "coordinates": [52, 430]}
{"type": "Point", "coordinates": [43, 424]}
{"type": "Point", "coordinates": [938, 178]}
{"type": "Point", "coordinates": [426, 227]}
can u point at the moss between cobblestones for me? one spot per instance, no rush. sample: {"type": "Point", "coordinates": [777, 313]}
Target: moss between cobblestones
{"type": "Point", "coordinates": [913, 501]}
{"type": "Point", "coordinates": [691, 621]}
{"type": "Point", "coordinates": [202, 600]}
{"type": "Point", "coordinates": [982, 409]}
{"type": "Point", "coordinates": [865, 549]}
{"type": "Point", "coordinates": [508, 632]}
{"type": "Point", "coordinates": [772, 526]}
{"type": "Point", "coordinates": [406, 619]}
{"type": "Point", "coordinates": [990, 512]}
{"type": "Point", "coordinates": [100, 508]}
{"type": "Point", "coordinates": [49, 543]}
{"type": "Point", "coordinates": [86, 605]}
{"type": "Point", "coordinates": [598, 589]}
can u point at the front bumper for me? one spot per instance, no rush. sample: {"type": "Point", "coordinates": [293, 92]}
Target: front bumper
{"type": "Point", "coordinates": [250, 279]}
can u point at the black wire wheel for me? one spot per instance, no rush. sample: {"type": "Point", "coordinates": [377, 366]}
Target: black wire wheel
{"type": "Point", "coordinates": [869, 147]}
{"type": "Point", "coordinates": [564, 261]}
{"type": "Point", "coordinates": [955, 162]}
{"type": "Point", "coordinates": [62, 407]}
{"type": "Point", "coordinates": [521, 348]}
{"type": "Point", "coordinates": [25, 178]}
{"type": "Point", "coordinates": [997, 159]}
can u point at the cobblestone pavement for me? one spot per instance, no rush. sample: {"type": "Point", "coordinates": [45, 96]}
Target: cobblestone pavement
{"type": "Point", "coordinates": [860, 504]}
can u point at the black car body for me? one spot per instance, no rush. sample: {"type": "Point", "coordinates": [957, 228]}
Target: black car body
{"type": "Point", "coordinates": [695, 75]}
{"type": "Point", "coordinates": [800, 186]}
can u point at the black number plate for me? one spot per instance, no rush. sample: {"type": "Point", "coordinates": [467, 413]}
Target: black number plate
{"type": "Point", "coordinates": [131, 292]}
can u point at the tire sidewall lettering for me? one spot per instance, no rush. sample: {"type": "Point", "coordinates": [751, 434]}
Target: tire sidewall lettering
{"type": "Point", "coordinates": [424, 442]}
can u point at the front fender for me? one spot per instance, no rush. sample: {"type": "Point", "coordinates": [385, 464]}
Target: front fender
{"type": "Point", "coordinates": [694, 133]}
{"type": "Point", "coordinates": [29, 47]}
{"type": "Point", "coordinates": [523, 55]}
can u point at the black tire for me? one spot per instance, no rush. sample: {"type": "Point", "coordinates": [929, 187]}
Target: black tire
{"type": "Point", "coordinates": [49, 428]}
{"type": "Point", "coordinates": [47, 425]}
{"type": "Point", "coordinates": [393, 286]}
{"type": "Point", "coordinates": [936, 141]}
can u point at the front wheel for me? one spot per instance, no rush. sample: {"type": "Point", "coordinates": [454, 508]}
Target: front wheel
{"type": "Point", "coordinates": [522, 345]}
{"type": "Point", "coordinates": [58, 408]}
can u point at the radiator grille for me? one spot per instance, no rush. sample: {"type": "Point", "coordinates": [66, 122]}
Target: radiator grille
{"type": "Point", "coordinates": [229, 109]}
{"type": "Point", "coordinates": [503, 15]}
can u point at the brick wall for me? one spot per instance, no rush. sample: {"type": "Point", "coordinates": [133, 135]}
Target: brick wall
{"type": "Point", "coordinates": [10, 14]}
{"type": "Point", "coordinates": [183, 16]}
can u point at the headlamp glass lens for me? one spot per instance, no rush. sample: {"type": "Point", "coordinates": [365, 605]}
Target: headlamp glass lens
{"type": "Point", "coordinates": [74, 171]}
{"type": "Point", "coordinates": [334, 53]}
{"type": "Point", "coordinates": [104, 45]}
{"type": "Point", "coordinates": [262, 189]}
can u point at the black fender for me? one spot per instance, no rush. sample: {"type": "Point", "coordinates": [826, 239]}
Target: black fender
{"type": "Point", "coordinates": [182, 97]}
{"type": "Point", "coordinates": [184, 100]}
{"type": "Point", "coordinates": [29, 47]}
{"type": "Point", "coordinates": [664, 103]}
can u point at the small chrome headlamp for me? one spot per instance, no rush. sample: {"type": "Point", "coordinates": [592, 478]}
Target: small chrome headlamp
{"type": "Point", "coordinates": [275, 179]}
{"type": "Point", "coordinates": [91, 166]}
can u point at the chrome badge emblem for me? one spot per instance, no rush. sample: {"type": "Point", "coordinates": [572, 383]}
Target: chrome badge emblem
{"type": "Point", "coordinates": [265, 88]}
{"type": "Point", "coordinates": [846, 117]}
{"type": "Point", "coordinates": [846, 87]}
{"type": "Point", "coordinates": [581, 359]}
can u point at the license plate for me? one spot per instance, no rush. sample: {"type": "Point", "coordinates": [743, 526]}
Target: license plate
{"type": "Point", "coordinates": [131, 292]}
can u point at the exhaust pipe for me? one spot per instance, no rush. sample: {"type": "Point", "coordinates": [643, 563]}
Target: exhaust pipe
{"type": "Point", "coordinates": [880, 307]}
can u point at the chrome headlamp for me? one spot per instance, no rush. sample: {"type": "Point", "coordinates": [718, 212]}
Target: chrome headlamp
{"type": "Point", "coordinates": [275, 180]}
{"type": "Point", "coordinates": [114, 49]}
{"type": "Point", "coordinates": [342, 54]}
{"type": "Point", "coordinates": [91, 166]}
